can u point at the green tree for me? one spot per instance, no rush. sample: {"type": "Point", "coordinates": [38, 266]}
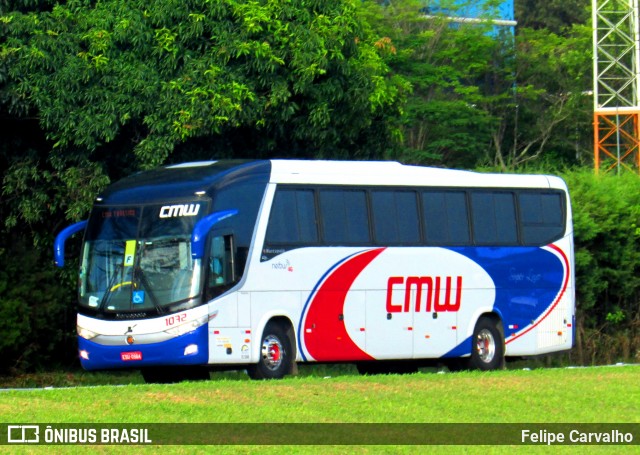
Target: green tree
{"type": "Point", "coordinates": [120, 85]}
{"type": "Point", "coordinates": [94, 90]}
{"type": "Point", "coordinates": [550, 113]}
{"type": "Point", "coordinates": [482, 95]}
{"type": "Point", "coordinates": [166, 72]}
{"type": "Point", "coordinates": [448, 67]}
{"type": "Point", "coordinates": [606, 219]}
{"type": "Point", "coordinates": [555, 16]}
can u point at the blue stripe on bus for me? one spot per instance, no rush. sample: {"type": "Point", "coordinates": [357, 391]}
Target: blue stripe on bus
{"type": "Point", "coordinates": [527, 281]}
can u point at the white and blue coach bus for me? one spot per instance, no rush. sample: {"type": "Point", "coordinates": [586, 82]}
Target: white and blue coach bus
{"type": "Point", "coordinates": [258, 265]}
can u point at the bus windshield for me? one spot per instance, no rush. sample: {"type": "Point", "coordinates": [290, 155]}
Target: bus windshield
{"type": "Point", "coordinates": [138, 260]}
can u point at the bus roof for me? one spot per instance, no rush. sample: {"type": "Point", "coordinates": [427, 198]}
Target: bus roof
{"type": "Point", "coordinates": [182, 181]}
{"type": "Point", "coordinates": [187, 179]}
{"type": "Point", "coordinates": [391, 173]}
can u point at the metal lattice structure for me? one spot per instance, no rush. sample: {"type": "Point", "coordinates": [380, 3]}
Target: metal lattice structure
{"type": "Point", "coordinates": [616, 84]}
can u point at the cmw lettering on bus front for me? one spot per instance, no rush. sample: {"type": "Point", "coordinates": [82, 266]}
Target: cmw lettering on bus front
{"type": "Point", "coordinates": [172, 211]}
{"type": "Point", "coordinates": [423, 284]}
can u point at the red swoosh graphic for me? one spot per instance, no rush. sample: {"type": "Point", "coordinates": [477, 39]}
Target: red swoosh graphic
{"type": "Point", "coordinates": [325, 335]}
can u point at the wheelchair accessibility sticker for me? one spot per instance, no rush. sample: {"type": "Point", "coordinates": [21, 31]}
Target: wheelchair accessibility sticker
{"type": "Point", "coordinates": [138, 297]}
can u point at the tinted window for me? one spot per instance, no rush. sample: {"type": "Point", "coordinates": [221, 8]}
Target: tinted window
{"type": "Point", "coordinates": [113, 223]}
{"type": "Point", "coordinates": [494, 219]}
{"type": "Point", "coordinates": [345, 217]}
{"type": "Point", "coordinates": [293, 218]}
{"type": "Point", "coordinates": [445, 217]}
{"type": "Point", "coordinates": [395, 217]}
{"type": "Point", "coordinates": [541, 216]}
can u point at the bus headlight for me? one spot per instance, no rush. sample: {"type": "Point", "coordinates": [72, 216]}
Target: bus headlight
{"type": "Point", "coordinates": [187, 326]}
{"type": "Point", "coordinates": [191, 349]}
{"type": "Point", "coordinates": [85, 333]}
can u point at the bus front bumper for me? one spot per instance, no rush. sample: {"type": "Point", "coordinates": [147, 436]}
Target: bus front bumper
{"type": "Point", "coordinates": [189, 349]}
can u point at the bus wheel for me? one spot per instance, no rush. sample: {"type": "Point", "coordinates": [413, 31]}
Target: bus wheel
{"type": "Point", "coordinates": [487, 350]}
{"type": "Point", "coordinates": [276, 358]}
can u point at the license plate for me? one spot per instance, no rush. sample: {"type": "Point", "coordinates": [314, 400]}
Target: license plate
{"type": "Point", "coordinates": [128, 356]}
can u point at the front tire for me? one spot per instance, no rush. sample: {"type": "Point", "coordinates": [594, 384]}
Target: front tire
{"type": "Point", "coordinates": [487, 349]}
{"type": "Point", "coordinates": [276, 354]}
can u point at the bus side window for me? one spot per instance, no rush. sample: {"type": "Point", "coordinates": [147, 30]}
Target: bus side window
{"type": "Point", "coordinates": [221, 265]}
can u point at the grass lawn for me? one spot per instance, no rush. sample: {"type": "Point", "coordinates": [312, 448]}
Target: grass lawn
{"type": "Point", "coordinates": [575, 395]}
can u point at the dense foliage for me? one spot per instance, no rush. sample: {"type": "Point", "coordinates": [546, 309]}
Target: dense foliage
{"type": "Point", "coordinates": [482, 95]}
{"type": "Point", "coordinates": [553, 15]}
{"type": "Point", "coordinates": [92, 90]}
{"type": "Point", "coordinates": [606, 216]}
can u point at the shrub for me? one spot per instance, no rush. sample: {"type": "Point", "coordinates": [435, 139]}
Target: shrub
{"type": "Point", "coordinates": [606, 219]}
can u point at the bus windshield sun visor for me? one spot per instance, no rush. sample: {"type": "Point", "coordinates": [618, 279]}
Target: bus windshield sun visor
{"type": "Point", "coordinates": [58, 245]}
{"type": "Point", "coordinates": [202, 227]}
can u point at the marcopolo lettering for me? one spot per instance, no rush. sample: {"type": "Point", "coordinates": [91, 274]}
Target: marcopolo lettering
{"type": "Point", "coordinates": [428, 291]}
{"type": "Point", "coordinates": [173, 211]}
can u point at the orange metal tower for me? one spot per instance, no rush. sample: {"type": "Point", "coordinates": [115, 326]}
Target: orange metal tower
{"type": "Point", "coordinates": [616, 83]}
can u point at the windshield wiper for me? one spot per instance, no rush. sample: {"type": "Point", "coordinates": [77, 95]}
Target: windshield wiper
{"type": "Point", "coordinates": [112, 284]}
{"type": "Point", "coordinates": [145, 283]}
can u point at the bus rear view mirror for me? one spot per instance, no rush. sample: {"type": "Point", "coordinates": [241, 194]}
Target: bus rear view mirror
{"type": "Point", "coordinates": [202, 228]}
{"type": "Point", "coordinates": [61, 238]}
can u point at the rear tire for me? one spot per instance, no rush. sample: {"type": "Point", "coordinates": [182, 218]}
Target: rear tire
{"type": "Point", "coordinates": [487, 345]}
{"type": "Point", "coordinates": [276, 354]}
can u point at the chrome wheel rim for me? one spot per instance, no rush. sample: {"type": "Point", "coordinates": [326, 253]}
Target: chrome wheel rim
{"type": "Point", "coordinates": [485, 345]}
{"type": "Point", "coordinates": [272, 352]}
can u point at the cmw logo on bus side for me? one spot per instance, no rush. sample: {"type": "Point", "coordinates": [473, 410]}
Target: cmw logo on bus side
{"type": "Point", "coordinates": [172, 211]}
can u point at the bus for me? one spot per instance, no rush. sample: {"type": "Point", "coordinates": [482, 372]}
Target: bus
{"type": "Point", "coordinates": [261, 265]}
